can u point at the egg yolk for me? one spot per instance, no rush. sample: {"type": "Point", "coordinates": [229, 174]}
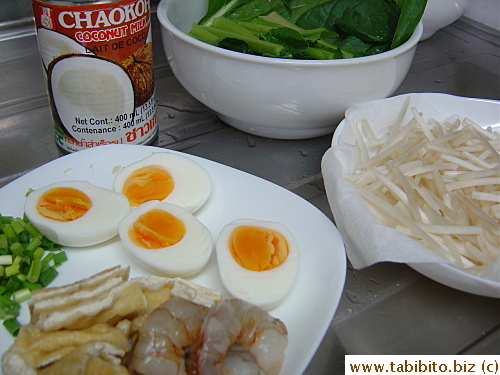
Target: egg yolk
{"type": "Point", "coordinates": [148, 183]}
{"type": "Point", "coordinates": [63, 204]}
{"type": "Point", "coordinates": [156, 229]}
{"type": "Point", "coordinates": [257, 248]}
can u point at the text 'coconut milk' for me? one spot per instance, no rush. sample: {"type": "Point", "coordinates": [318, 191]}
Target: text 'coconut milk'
{"type": "Point", "coordinates": [98, 60]}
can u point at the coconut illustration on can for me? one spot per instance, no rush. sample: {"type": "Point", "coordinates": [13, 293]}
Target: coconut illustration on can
{"type": "Point", "coordinates": [139, 66]}
{"type": "Point", "coordinates": [89, 90]}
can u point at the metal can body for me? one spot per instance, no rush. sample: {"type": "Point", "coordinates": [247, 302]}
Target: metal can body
{"type": "Point", "coordinates": [98, 61]}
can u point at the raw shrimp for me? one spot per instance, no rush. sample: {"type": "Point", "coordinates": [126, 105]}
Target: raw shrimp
{"type": "Point", "coordinates": [168, 339]}
{"type": "Point", "coordinates": [240, 338]}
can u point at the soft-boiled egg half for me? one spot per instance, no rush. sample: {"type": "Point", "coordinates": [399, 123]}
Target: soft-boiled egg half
{"type": "Point", "coordinates": [76, 213]}
{"type": "Point", "coordinates": [166, 239]}
{"type": "Point", "coordinates": [258, 261]}
{"type": "Point", "coordinates": [167, 177]}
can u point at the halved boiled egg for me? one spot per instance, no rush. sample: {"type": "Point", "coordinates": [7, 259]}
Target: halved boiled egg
{"type": "Point", "coordinates": [166, 239]}
{"type": "Point", "coordinates": [167, 177]}
{"type": "Point", "coordinates": [76, 213]}
{"type": "Point", "coordinates": [258, 261]}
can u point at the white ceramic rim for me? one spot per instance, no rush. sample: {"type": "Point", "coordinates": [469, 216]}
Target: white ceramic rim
{"type": "Point", "coordinates": [165, 22]}
{"type": "Point", "coordinates": [444, 273]}
{"type": "Point", "coordinates": [434, 271]}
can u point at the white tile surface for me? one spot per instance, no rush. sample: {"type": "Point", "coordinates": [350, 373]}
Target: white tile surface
{"type": "Point", "coordinates": [485, 12]}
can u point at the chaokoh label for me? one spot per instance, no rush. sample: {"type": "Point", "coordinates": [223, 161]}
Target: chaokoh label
{"type": "Point", "coordinates": [98, 60]}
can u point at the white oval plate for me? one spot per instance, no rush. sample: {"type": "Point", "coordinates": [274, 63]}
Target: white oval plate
{"type": "Point", "coordinates": [308, 309]}
{"type": "Point", "coordinates": [341, 196]}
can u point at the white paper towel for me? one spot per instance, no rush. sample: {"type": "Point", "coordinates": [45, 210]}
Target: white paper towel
{"type": "Point", "coordinates": [366, 241]}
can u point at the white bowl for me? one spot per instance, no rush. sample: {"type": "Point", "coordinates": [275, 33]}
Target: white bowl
{"type": "Point", "coordinates": [441, 13]}
{"type": "Point", "coordinates": [272, 97]}
{"type": "Point", "coordinates": [367, 242]}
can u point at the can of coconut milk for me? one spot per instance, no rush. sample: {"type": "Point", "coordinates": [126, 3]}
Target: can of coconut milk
{"type": "Point", "coordinates": [98, 61]}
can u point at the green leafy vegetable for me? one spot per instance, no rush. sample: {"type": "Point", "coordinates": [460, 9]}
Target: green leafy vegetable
{"type": "Point", "coordinates": [297, 8]}
{"type": "Point", "coordinates": [252, 9]}
{"type": "Point", "coordinates": [237, 10]}
{"type": "Point", "coordinates": [293, 42]}
{"type": "Point", "coordinates": [354, 44]}
{"type": "Point", "coordinates": [309, 29]}
{"type": "Point", "coordinates": [370, 21]}
{"type": "Point", "coordinates": [326, 14]}
{"type": "Point", "coordinates": [411, 13]}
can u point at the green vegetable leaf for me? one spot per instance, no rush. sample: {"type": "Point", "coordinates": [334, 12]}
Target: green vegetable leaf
{"type": "Point", "coordinates": [309, 29]}
{"type": "Point", "coordinates": [325, 14]}
{"type": "Point", "coordinates": [370, 20]}
{"type": "Point", "coordinates": [399, 4]}
{"type": "Point", "coordinates": [322, 54]}
{"type": "Point", "coordinates": [377, 48]}
{"type": "Point", "coordinates": [221, 8]}
{"type": "Point", "coordinates": [354, 44]}
{"type": "Point", "coordinates": [215, 9]}
{"type": "Point", "coordinates": [237, 10]}
{"type": "Point", "coordinates": [252, 9]}
{"type": "Point", "coordinates": [411, 14]}
{"type": "Point", "coordinates": [293, 42]}
{"type": "Point", "coordinates": [286, 4]}
{"type": "Point", "coordinates": [297, 7]}
{"type": "Point", "coordinates": [234, 44]}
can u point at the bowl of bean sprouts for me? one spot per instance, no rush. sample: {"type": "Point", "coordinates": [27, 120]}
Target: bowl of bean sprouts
{"type": "Point", "coordinates": [415, 179]}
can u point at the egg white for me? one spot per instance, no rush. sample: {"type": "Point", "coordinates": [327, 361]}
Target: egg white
{"type": "Point", "coordinates": [265, 289]}
{"type": "Point", "coordinates": [192, 184]}
{"type": "Point", "coordinates": [97, 225]}
{"type": "Point", "coordinates": [187, 257]}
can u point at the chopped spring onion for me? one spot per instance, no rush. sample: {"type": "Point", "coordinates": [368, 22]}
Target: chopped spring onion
{"type": "Point", "coordinates": [59, 258]}
{"type": "Point", "coordinates": [37, 254]}
{"type": "Point", "coordinates": [8, 230]}
{"type": "Point", "coordinates": [6, 260]}
{"type": "Point", "coordinates": [30, 285]}
{"type": "Point", "coordinates": [4, 241]}
{"type": "Point", "coordinates": [13, 269]}
{"type": "Point", "coordinates": [12, 325]}
{"type": "Point", "coordinates": [16, 248]}
{"type": "Point", "coordinates": [27, 262]}
{"type": "Point", "coordinates": [33, 244]}
{"type": "Point", "coordinates": [35, 270]}
{"type": "Point", "coordinates": [47, 275]}
{"type": "Point", "coordinates": [17, 226]}
{"type": "Point", "coordinates": [47, 258]}
{"type": "Point", "coordinates": [8, 307]}
{"type": "Point", "coordinates": [21, 295]}
{"type": "Point", "coordinates": [33, 231]}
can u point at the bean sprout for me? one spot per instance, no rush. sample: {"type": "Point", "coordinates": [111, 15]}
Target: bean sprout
{"type": "Point", "coordinates": [437, 183]}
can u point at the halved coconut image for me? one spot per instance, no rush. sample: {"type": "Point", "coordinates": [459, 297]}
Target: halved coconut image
{"type": "Point", "coordinates": [54, 44]}
{"type": "Point", "coordinates": [139, 66]}
{"type": "Point", "coordinates": [89, 91]}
